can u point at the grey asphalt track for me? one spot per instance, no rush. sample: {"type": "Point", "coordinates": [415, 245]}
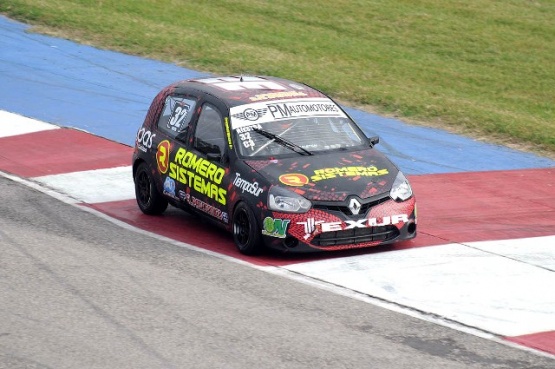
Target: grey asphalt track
{"type": "Point", "coordinates": [77, 291]}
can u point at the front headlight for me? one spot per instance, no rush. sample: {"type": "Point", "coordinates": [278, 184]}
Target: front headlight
{"type": "Point", "coordinates": [401, 190]}
{"type": "Point", "coordinates": [280, 199]}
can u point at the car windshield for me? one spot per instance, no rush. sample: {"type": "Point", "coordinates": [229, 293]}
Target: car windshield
{"type": "Point", "coordinates": [274, 135]}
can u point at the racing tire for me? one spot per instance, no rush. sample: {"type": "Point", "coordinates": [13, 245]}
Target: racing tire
{"type": "Point", "coordinates": [150, 201]}
{"type": "Point", "coordinates": [246, 233]}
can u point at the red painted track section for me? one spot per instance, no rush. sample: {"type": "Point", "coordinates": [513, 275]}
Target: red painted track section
{"type": "Point", "coordinates": [452, 208]}
{"type": "Point", "coordinates": [180, 226]}
{"type": "Point", "coordinates": [544, 341]}
{"type": "Point", "coordinates": [60, 151]}
{"type": "Point", "coordinates": [481, 206]}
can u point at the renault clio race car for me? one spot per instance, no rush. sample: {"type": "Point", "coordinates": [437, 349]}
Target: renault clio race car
{"type": "Point", "coordinates": [274, 162]}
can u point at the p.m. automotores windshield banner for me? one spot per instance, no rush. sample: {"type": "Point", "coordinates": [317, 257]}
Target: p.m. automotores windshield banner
{"type": "Point", "coordinates": [263, 112]}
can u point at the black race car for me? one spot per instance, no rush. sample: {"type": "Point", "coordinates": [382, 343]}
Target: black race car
{"type": "Point", "coordinates": [275, 162]}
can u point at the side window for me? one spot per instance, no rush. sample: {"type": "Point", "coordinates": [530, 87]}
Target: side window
{"type": "Point", "coordinates": [176, 115]}
{"type": "Point", "coordinates": [209, 134]}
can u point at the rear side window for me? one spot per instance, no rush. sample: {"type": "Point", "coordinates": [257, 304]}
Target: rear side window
{"type": "Point", "coordinates": [177, 114]}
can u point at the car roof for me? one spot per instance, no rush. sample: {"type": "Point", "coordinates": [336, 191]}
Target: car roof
{"type": "Point", "coordinates": [240, 90]}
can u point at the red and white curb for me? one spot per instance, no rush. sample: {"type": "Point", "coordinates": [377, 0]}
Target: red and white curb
{"type": "Point", "coordinates": [498, 289]}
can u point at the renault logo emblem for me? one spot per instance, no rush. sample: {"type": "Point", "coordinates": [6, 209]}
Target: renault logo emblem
{"type": "Point", "coordinates": [354, 206]}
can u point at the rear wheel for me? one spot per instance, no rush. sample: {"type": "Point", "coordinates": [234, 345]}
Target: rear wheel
{"type": "Point", "coordinates": [150, 201]}
{"type": "Point", "coordinates": [246, 232]}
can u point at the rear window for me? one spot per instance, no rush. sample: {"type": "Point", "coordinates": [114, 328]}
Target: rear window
{"type": "Point", "coordinates": [177, 114]}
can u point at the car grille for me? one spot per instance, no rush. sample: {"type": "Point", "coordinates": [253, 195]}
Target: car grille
{"type": "Point", "coordinates": [356, 236]}
{"type": "Point", "coordinates": [366, 204]}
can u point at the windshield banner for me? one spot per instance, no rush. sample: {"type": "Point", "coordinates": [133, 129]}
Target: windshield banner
{"type": "Point", "coordinates": [270, 111]}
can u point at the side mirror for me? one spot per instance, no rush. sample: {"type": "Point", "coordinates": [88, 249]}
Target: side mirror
{"type": "Point", "coordinates": [212, 152]}
{"type": "Point", "coordinates": [373, 141]}
{"type": "Point", "coordinates": [214, 156]}
{"type": "Point", "coordinates": [182, 135]}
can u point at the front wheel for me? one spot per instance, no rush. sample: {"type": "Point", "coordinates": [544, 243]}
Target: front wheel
{"type": "Point", "coordinates": [246, 232]}
{"type": "Point", "coordinates": [150, 201]}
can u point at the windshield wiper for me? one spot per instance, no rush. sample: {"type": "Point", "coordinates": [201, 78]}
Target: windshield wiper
{"type": "Point", "coordinates": [283, 141]}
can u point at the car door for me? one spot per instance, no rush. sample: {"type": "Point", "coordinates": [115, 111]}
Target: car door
{"type": "Point", "coordinates": [206, 161]}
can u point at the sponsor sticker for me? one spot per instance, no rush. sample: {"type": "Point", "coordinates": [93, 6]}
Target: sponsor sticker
{"type": "Point", "coordinates": [163, 156]}
{"type": "Point", "coordinates": [329, 173]}
{"type": "Point", "coordinates": [199, 174]}
{"type": "Point", "coordinates": [228, 133]}
{"type": "Point", "coordinates": [311, 225]}
{"type": "Point", "coordinates": [277, 95]}
{"type": "Point", "coordinates": [275, 227]}
{"type": "Point", "coordinates": [205, 207]}
{"type": "Point", "coordinates": [169, 187]}
{"type": "Point", "coordinates": [144, 139]}
{"type": "Point", "coordinates": [250, 187]}
{"type": "Point", "coordinates": [293, 179]}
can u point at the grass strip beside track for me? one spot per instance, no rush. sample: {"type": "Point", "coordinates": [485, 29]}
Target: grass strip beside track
{"type": "Point", "coordinates": [483, 68]}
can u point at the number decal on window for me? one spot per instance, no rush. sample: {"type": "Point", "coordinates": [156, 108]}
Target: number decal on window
{"type": "Point", "coordinates": [247, 140]}
{"type": "Point", "coordinates": [178, 116]}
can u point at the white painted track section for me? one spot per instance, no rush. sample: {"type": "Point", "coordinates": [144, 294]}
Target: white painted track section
{"type": "Point", "coordinates": [14, 124]}
{"type": "Point", "coordinates": [538, 251]}
{"type": "Point", "coordinates": [493, 292]}
{"type": "Point", "coordinates": [93, 186]}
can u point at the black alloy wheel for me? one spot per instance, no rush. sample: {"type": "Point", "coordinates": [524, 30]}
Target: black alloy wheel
{"type": "Point", "coordinates": [246, 232]}
{"type": "Point", "coordinates": [150, 201]}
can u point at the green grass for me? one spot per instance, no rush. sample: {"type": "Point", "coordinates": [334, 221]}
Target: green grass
{"type": "Point", "coordinates": [480, 67]}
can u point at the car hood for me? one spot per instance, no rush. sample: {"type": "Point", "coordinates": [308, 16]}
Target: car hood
{"type": "Point", "coordinates": [331, 176]}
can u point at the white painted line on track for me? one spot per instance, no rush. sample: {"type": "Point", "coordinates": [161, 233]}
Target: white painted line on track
{"type": "Point", "coordinates": [93, 186]}
{"type": "Point", "coordinates": [15, 124]}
